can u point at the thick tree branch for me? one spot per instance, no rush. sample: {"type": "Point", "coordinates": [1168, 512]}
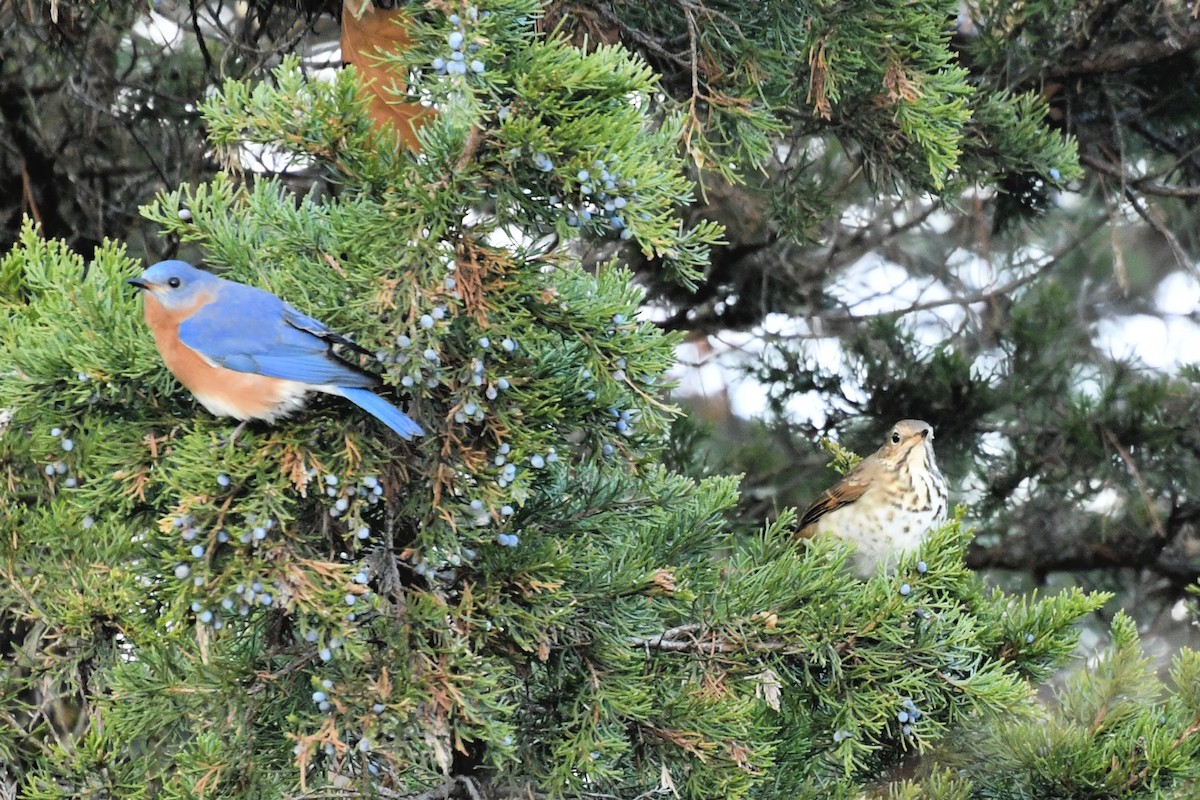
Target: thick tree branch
{"type": "Point", "coordinates": [1130, 54]}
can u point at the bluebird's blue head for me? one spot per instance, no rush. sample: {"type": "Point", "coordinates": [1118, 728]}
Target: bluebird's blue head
{"type": "Point", "coordinates": [175, 284]}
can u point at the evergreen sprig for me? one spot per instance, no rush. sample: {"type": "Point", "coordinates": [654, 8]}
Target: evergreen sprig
{"type": "Point", "coordinates": [525, 597]}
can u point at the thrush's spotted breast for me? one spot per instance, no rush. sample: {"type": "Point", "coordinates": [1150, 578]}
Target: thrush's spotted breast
{"type": "Point", "coordinates": [887, 503]}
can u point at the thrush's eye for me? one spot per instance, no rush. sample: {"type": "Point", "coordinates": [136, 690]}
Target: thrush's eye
{"type": "Point", "coordinates": [895, 437]}
{"type": "Point", "coordinates": [174, 283]}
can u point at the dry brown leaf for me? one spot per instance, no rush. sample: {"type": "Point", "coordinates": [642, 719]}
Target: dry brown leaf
{"type": "Point", "coordinates": [664, 579]}
{"type": "Point", "coordinates": [367, 30]}
{"type": "Point", "coordinates": [768, 686]}
{"type": "Point", "coordinates": [900, 88]}
{"type": "Point", "coordinates": [291, 463]}
{"type": "Point", "coordinates": [666, 781]}
{"type": "Point", "coordinates": [818, 73]}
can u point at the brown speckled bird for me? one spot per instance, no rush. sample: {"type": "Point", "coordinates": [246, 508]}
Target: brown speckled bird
{"type": "Point", "coordinates": [887, 503]}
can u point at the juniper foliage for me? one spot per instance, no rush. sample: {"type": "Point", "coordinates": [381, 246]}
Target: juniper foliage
{"type": "Point", "coordinates": [523, 601]}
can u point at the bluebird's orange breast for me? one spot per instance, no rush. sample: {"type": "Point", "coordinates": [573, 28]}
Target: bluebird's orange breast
{"type": "Point", "coordinates": [223, 391]}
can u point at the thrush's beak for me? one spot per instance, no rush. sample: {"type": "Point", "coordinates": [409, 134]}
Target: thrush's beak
{"type": "Point", "coordinates": [138, 282]}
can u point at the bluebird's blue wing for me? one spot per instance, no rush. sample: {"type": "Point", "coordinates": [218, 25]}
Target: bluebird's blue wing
{"type": "Point", "coordinates": [250, 330]}
{"type": "Point", "coordinates": [317, 328]}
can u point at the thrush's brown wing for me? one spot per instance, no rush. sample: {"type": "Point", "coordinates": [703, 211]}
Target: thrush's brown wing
{"type": "Point", "coordinates": [845, 491]}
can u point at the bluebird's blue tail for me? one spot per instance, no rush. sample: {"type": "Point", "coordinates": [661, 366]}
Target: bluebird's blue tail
{"type": "Point", "coordinates": [382, 410]}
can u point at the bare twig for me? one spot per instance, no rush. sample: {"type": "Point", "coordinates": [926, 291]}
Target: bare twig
{"type": "Point", "coordinates": [698, 638]}
{"type": "Point", "coordinates": [1144, 185]}
{"type": "Point", "coordinates": [1151, 217]}
{"type": "Point", "coordinates": [1143, 489]}
{"type": "Point", "coordinates": [637, 36]}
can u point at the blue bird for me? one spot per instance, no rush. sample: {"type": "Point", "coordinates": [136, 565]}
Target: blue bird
{"type": "Point", "coordinates": [246, 354]}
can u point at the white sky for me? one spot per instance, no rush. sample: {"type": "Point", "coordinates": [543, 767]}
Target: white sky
{"type": "Point", "coordinates": [1162, 341]}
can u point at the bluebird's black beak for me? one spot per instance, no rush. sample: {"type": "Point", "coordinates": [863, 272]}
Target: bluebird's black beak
{"type": "Point", "coordinates": [138, 282]}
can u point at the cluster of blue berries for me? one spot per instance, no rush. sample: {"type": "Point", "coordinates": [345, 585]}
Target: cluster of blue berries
{"type": "Point", "coordinates": [456, 60]}
{"type": "Point", "coordinates": [586, 374]}
{"type": "Point", "coordinates": [604, 195]}
{"type": "Point", "coordinates": [906, 589]}
{"type": "Point", "coordinates": [508, 470]}
{"type": "Point", "coordinates": [620, 324]}
{"type": "Point", "coordinates": [321, 698]}
{"type": "Point", "coordinates": [325, 651]}
{"type": "Point", "coordinates": [908, 716]}
{"type": "Point", "coordinates": [416, 353]}
{"type": "Point", "coordinates": [67, 444]}
{"type": "Point", "coordinates": [472, 408]}
{"type": "Point", "coordinates": [348, 495]}
{"type": "Point", "coordinates": [424, 367]}
{"type": "Point", "coordinates": [623, 419]}
{"type": "Point", "coordinates": [324, 704]}
{"type": "Point", "coordinates": [60, 467]}
{"type": "Point", "coordinates": [538, 461]}
{"type": "Point", "coordinates": [508, 474]}
{"type": "Point", "coordinates": [481, 516]}
{"type": "Point", "coordinates": [255, 593]}
{"type": "Point", "coordinates": [435, 562]}
{"type": "Point", "coordinates": [254, 533]}
{"type": "Point", "coordinates": [244, 598]}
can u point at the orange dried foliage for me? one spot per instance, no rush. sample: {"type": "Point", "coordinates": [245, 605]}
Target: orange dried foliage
{"type": "Point", "coordinates": [899, 86]}
{"type": "Point", "coordinates": [135, 481]}
{"type": "Point", "coordinates": [367, 30]}
{"type": "Point", "coordinates": [664, 579]}
{"type": "Point", "coordinates": [291, 464]}
{"type": "Point", "coordinates": [480, 272]}
{"type": "Point", "coordinates": [310, 744]}
{"type": "Point", "coordinates": [688, 741]}
{"type": "Point", "coordinates": [817, 91]}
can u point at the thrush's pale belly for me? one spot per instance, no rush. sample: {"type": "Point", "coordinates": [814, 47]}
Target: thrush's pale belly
{"type": "Point", "coordinates": [883, 531]}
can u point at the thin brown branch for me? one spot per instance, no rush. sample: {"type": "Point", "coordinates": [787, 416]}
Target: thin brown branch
{"type": "Point", "coordinates": [1142, 185]}
{"type": "Point", "coordinates": [636, 35]}
{"type": "Point", "coordinates": [30, 197]}
{"type": "Point", "coordinates": [698, 638]}
{"type": "Point", "coordinates": [470, 148]}
{"type": "Point", "coordinates": [1151, 217]}
{"type": "Point", "coordinates": [1143, 489]}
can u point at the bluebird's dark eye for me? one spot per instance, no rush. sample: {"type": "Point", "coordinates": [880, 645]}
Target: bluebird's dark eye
{"type": "Point", "coordinates": [174, 283]}
{"type": "Point", "coordinates": [895, 437]}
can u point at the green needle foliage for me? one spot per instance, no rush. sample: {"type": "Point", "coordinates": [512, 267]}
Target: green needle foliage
{"type": "Point", "coordinates": [1115, 730]}
{"type": "Point", "coordinates": [524, 602]}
